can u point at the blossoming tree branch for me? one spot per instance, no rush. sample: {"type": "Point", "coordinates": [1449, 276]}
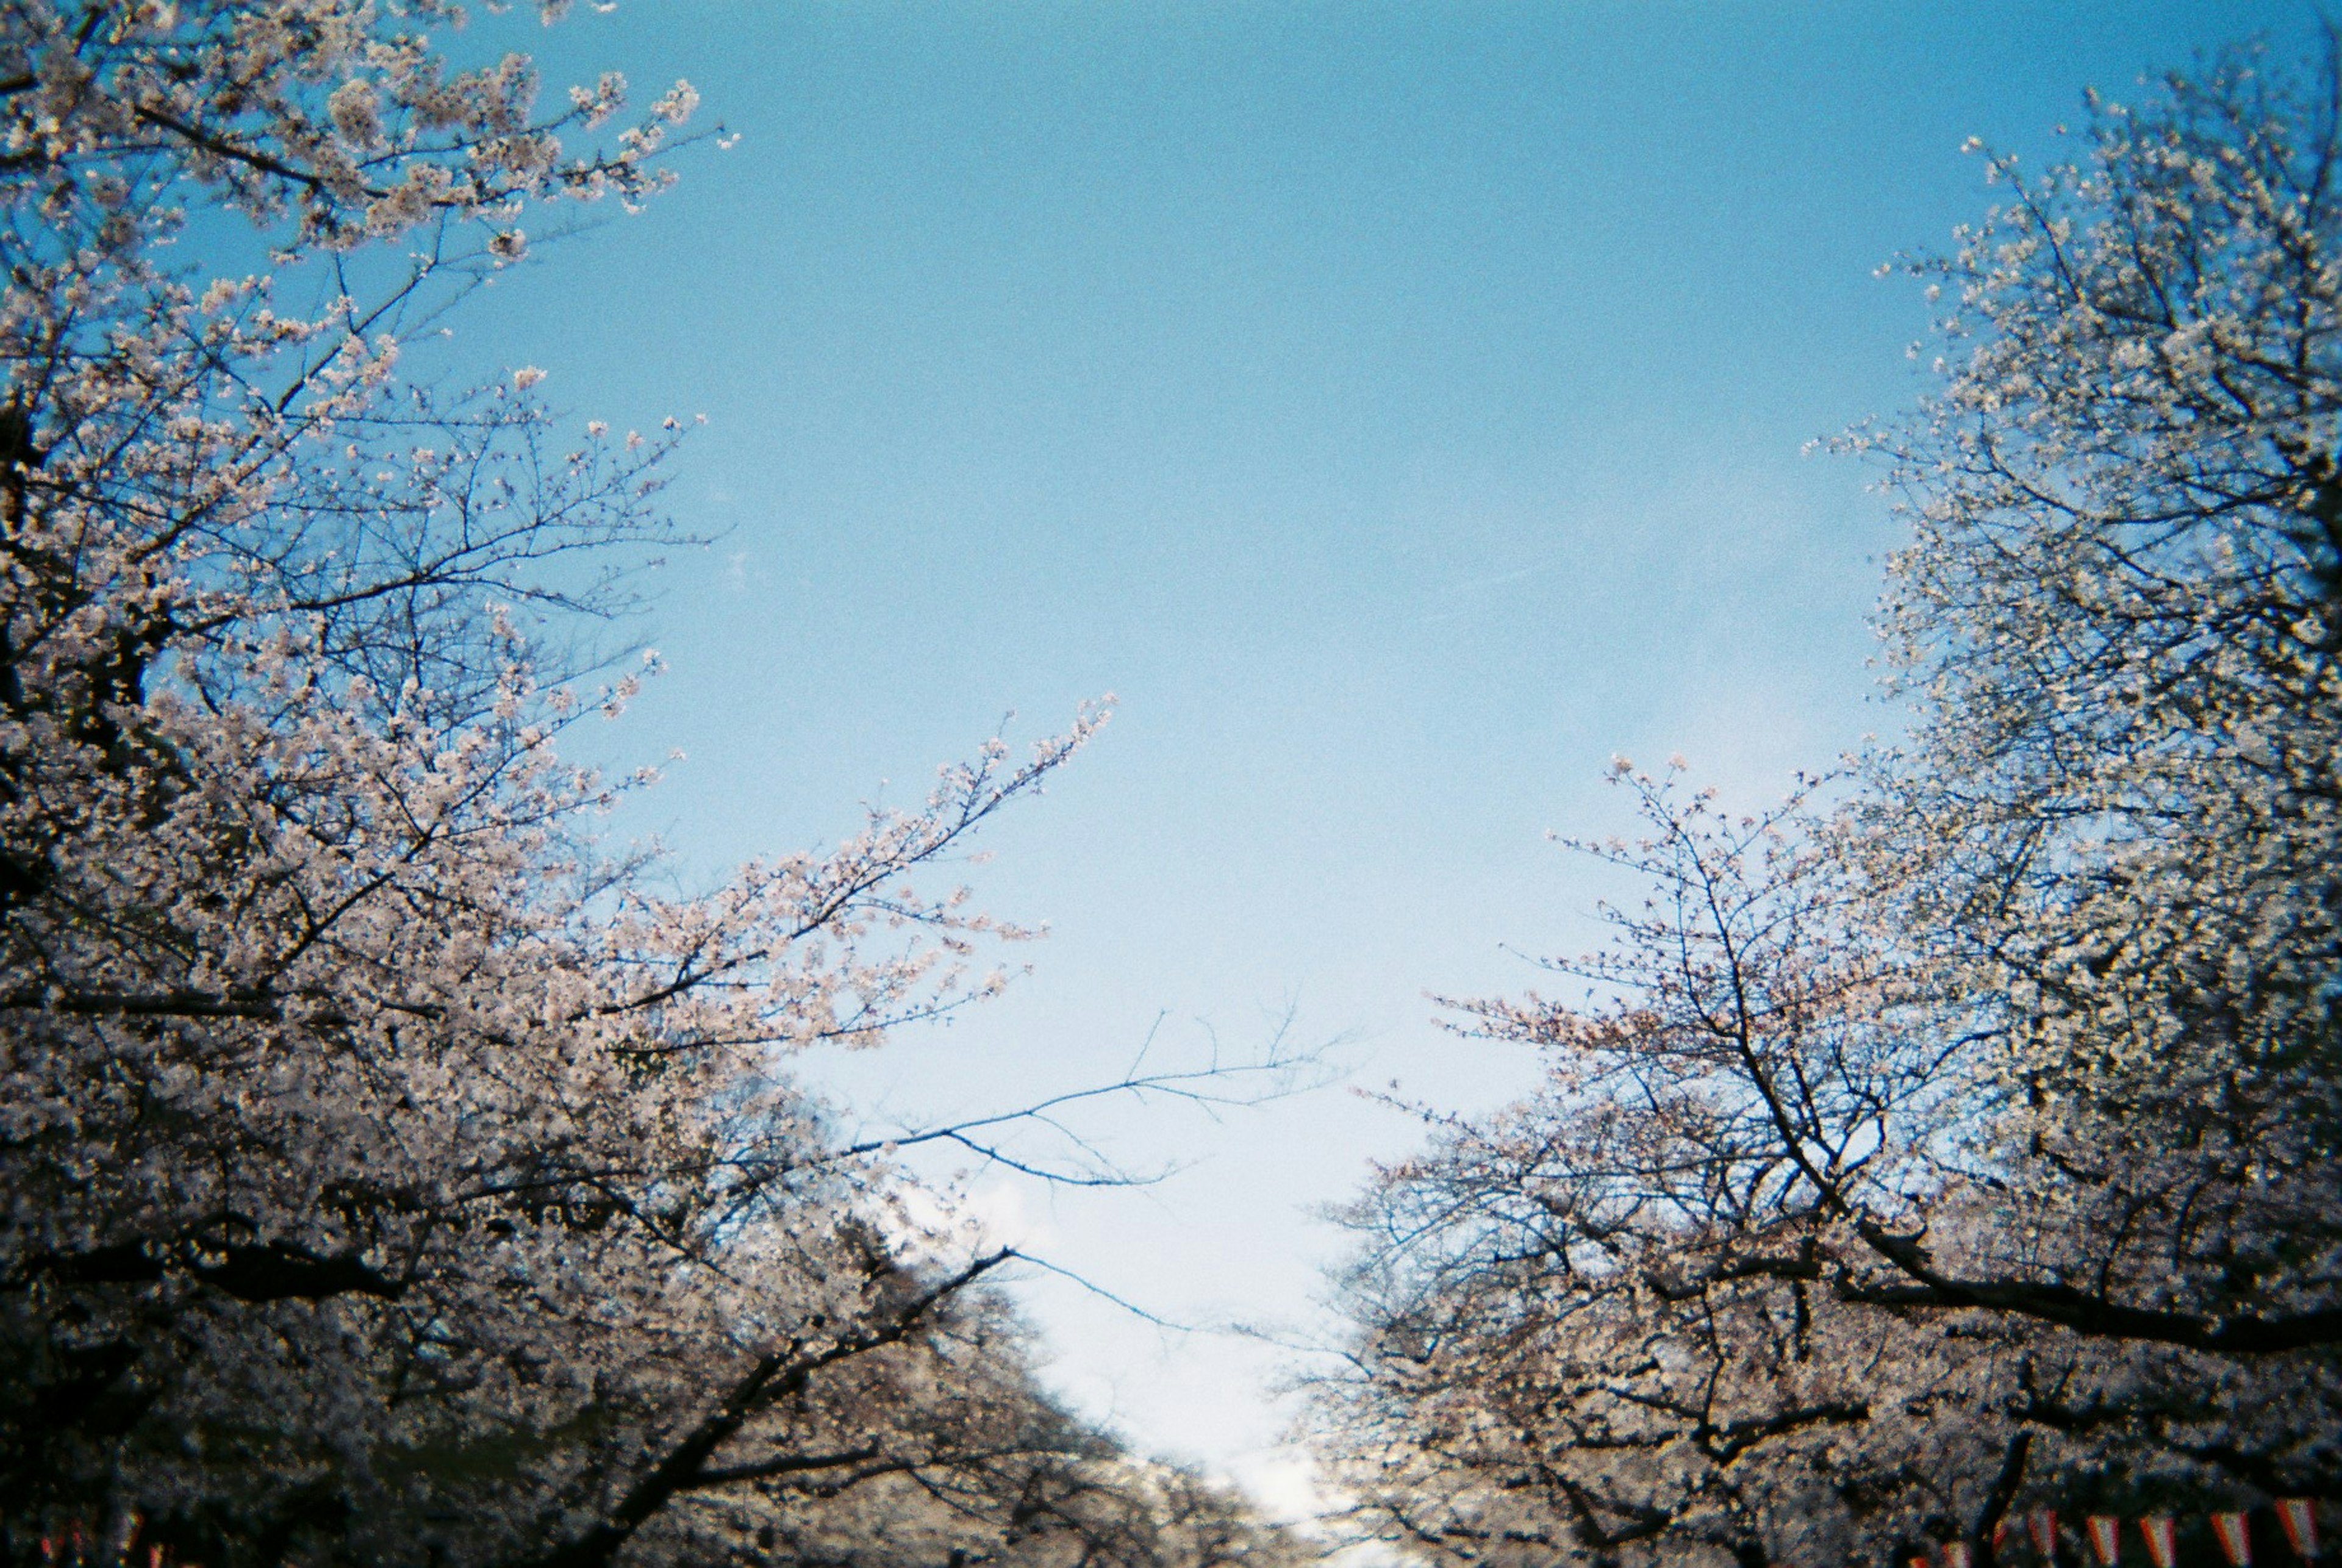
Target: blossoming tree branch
{"type": "Point", "coordinates": [1958, 1143]}
{"type": "Point", "coordinates": [387, 1171]}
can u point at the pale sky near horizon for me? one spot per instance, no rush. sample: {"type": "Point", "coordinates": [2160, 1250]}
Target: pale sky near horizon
{"type": "Point", "coordinates": [1400, 408]}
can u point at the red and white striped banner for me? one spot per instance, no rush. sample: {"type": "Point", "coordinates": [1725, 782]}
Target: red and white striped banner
{"type": "Point", "coordinates": [2160, 1542]}
{"type": "Point", "coordinates": [2106, 1538]}
{"type": "Point", "coordinates": [2236, 1539]}
{"type": "Point", "coordinates": [2042, 1524]}
{"type": "Point", "coordinates": [2299, 1517]}
{"type": "Point", "coordinates": [1956, 1555]}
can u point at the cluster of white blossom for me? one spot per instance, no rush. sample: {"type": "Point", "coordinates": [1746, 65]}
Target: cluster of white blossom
{"type": "Point", "coordinates": [1971, 1144]}
{"type": "Point", "coordinates": [387, 1172]}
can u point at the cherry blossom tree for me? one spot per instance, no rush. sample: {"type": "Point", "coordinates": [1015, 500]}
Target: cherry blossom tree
{"type": "Point", "coordinates": [1967, 1144]}
{"type": "Point", "coordinates": [1630, 1317]}
{"type": "Point", "coordinates": [2119, 618]}
{"type": "Point", "coordinates": [388, 1171]}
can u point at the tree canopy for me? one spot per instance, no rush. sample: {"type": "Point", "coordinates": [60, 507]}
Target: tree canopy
{"type": "Point", "coordinates": [1962, 1136]}
{"type": "Point", "coordinates": [390, 1170]}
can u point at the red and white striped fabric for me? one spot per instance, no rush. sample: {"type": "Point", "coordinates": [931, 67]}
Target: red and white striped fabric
{"type": "Point", "coordinates": [2299, 1517]}
{"type": "Point", "coordinates": [2042, 1525]}
{"type": "Point", "coordinates": [2236, 1539]}
{"type": "Point", "coordinates": [2106, 1538]}
{"type": "Point", "coordinates": [2161, 1545]}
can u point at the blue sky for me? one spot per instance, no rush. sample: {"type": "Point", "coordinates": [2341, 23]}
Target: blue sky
{"type": "Point", "coordinates": [1400, 408]}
